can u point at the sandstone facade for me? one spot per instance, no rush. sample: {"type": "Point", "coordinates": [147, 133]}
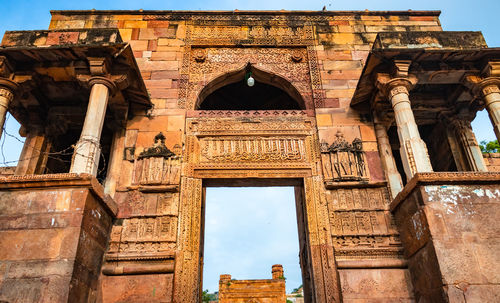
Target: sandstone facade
{"type": "Point", "coordinates": [364, 104]}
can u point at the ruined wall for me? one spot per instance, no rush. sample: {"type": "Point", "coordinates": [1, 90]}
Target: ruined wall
{"type": "Point", "coordinates": [322, 56]}
{"type": "Point", "coordinates": [54, 230]}
{"type": "Point", "coordinates": [449, 223]}
{"type": "Point", "coordinates": [492, 161]}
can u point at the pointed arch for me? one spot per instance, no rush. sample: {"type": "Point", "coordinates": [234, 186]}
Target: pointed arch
{"type": "Point", "coordinates": [233, 85]}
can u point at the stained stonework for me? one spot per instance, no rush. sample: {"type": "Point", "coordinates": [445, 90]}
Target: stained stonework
{"type": "Point", "coordinates": [261, 291]}
{"type": "Point", "coordinates": [343, 146]}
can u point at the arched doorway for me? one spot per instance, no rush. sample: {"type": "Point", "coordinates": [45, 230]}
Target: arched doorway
{"type": "Point", "coordinates": [261, 139]}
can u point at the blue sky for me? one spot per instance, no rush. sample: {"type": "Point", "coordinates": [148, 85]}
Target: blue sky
{"type": "Point", "coordinates": [264, 216]}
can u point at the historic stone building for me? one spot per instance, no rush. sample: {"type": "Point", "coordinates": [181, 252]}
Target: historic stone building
{"type": "Point", "coordinates": [129, 115]}
{"type": "Point", "coordinates": [254, 291]}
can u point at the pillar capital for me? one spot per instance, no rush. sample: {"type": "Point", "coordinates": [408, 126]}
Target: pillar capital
{"type": "Point", "coordinates": [390, 86]}
{"type": "Point", "coordinates": [113, 82]}
{"type": "Point", "coordinates": [482, 87]}
{"type": "Point", "coordinates": [8, 87]}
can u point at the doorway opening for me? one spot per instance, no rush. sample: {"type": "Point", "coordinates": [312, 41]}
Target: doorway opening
{"type": "Point", "coordinates": [249, 229]}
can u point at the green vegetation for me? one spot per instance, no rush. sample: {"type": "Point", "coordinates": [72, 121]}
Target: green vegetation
{"type": "Point", "coordinates": [288, 301]}
{"type": "Point", "coordinates": [207, 297]}
{"type": "Point", "coordinates": [297, 289]}
{"type": "Point", "coordinates": [490, 147]}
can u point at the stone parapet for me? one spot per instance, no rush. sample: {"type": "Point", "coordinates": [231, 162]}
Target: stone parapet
{"type": "Point", "coordinates": [54, 230]}
{"type": "Point", "coordinates": [492, 161]}
{"type": "Point", "coordinates": [448, 224]}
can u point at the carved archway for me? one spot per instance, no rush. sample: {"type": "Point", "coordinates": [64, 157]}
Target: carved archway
{"type": "Point", "coordinates": [270, 91]}
{"type": "Point", "coordinates": [286, 68]}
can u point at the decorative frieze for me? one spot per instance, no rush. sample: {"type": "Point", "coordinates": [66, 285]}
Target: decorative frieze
{"type": "Point", "coordinates": [145, 234]}
{"type": "Point", "coordinates": [361, 224]}
{"type": "Point", "coordinates": [252, 149]}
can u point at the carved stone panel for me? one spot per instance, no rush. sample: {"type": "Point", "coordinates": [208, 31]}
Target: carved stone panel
{"type": "Point", "coordinates": [361, 224]}
{"type": "Point", "coordinates": [157, 165]}
{"type": "Point", "coordinates": [218, 61]}
{"type": "Point", "coordinates": [144, 235]}
{"type": "Point", "coordinates": [344, 161]}
{"type": "Point", "coordinates": [252, 149]}
{"type": "Point", "coordinates": [251, 143]}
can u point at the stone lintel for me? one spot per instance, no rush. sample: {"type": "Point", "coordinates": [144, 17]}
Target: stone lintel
{"type": "Point", "coordinates": [442, 40]}
{"type": "Point", "coordinates": [31, 182]}
{"type": "Point", "coordinates": [444, 178]}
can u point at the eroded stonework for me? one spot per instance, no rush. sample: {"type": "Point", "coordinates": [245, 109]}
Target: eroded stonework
{"type": "Point", "coordinates": [361, 129]}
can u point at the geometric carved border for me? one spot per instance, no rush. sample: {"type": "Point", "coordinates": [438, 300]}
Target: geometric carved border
{"type": "Point", "coordinates": [227, 33]}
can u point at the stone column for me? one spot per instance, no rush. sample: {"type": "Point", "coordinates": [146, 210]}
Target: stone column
{"type": "Point", "coordinates": [385, 151]}
{"type": "Point", "coordinates": [490, 91]}
{"type": "Point", "coordinates": [467, 140]}
{"type": "Point", "coordinates": [413, 149]}
{"type": "Point", "coordinates": [34, 154]}
{"type": "Point", "coordinates": [87, 149]}
{"type": "Point", "coordinates": [7, 89]}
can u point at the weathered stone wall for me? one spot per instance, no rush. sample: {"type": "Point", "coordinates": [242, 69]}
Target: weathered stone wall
{"type": "Point", "coordinates": [54, 230]}
{"type": "Point", "coordinates": [449, 227]}
{"type": "Point", "coordinates": [492, 161]}
{"type": "Point", "coordinates": [181, 53]}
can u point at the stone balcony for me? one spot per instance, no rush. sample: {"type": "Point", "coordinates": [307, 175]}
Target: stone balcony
{"type": "Point", "coordinates": [54, 230]}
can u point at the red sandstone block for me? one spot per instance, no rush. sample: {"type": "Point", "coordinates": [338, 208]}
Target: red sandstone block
{"type": "Point", "coordinates": [139, 45]}
{"type": "Point", "coordinates": [159, 65]}
{"type": "Point", "coordinates": [152, 45]}
{"type": "Point", "coordinates": [342, 74]}
{"type": "Point", "coordinates": [339, 93]}
{"type": "Point", "coordinates": [146, 75]}
{"type": "Point", "coordinates": [423, 18]}
{"type": "Point", "coordinates": [135, 34]}
{"type": "Point", "coordinates": [158, 23]}
{"type": "Point", "coordinates": [331, 102]}
{"type": "Point", "coordinates": [338, 55]}
{"type": "Point", "coordinates": [163, 93]}
{"type": "Point", "coordinates": [165, 74]}
{"type": "Point", "coordinates": [360, 55]}
{"type": "Point", "coordinates": [339, 22]}
{"type": "Point", "coordinates": [56, 38]}
{"type": "Point", "coordinates": [150, 288]}
{"type": "Point", "coordinates": [164, 83]}
{"type": "Point", "coordinates": [164, 56]}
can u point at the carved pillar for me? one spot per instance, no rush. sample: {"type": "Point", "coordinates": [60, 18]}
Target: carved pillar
{"type": "Point", "coordinates": [486, 87]}
{"type": "Point", "coordinates": [7, 89]}
{"type": "Point", "coordinates": [489, 90]}
{"type": "Point", "coordinates": [325, 277]}
{"type": "Point", "coordinates": [413, 149]}
{"type": "Point", "coordinates": [467, 140]}
{"type": "Point", "coordinates": [385, 150]}
{"type": "Point", "coordinates": [187, 276]}
{"type": "Point", "coordinates": [87, 149]}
